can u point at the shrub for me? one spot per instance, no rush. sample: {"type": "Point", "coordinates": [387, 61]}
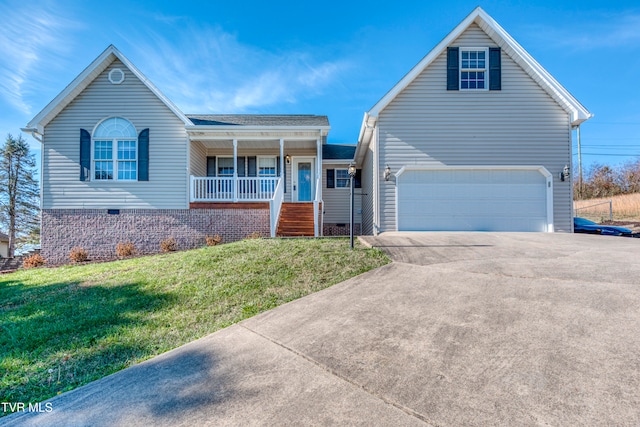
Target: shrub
{"type": "Point", "coordinates": [33, 261]}
{"type": "Point", "coordinates": [125, 249]}
{"type": "Point", "coordinates": [254, 235]}
{"type": "Point", "coordinates": [169, 245]}
{"type": "Point", "coordinates": [78, 254]}
{"type": "Point", "coordinates": [213, 240]}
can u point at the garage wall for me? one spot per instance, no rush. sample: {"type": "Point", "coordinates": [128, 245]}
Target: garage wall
{"type": "Point", "coordinates": [518, 125]}
{"type": "Point", "coordinates": [368, 195]}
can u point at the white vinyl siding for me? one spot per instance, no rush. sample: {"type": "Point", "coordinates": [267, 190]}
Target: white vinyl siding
{"type": "Point", "coordinates": [518, 125]}
{"type": "Point", "coordinates": [337, 203]}
{"type": "Point", "coordinates": [167, 187]}
{"type": "Point", "coordinates": [198, 159]}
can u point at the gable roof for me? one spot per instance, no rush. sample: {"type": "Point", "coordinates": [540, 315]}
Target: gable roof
{"type": "Point", "coordinates": [84, 79]}
{"type": "Point", "coordinates": [578, 112]}
{"type": "Point", "coordinates": [277, 120]}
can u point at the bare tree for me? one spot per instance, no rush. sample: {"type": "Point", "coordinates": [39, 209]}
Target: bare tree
{"type": "Point", "coordinates": [19, 193]}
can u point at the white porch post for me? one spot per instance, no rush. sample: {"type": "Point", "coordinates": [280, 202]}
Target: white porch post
{"type": "Point", "coordinates": [316, 204]}
{"type": "Point", "coordinates": [282, 165]}
{"type": "Point", "coordinates": [319, 168]}
{"type": "Point", "coordinates": [235, 170]}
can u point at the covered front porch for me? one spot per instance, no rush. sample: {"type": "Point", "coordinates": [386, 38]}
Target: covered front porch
{"type": "Point", "coordinates": [258, 165]}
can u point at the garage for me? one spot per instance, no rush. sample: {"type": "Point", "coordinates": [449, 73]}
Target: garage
{"type": "Point", "coordinates": [474, 198]}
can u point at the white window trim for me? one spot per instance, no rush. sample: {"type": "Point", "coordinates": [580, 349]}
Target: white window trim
{"type": "Point", "coordinates": [335, 179]}
{"type": "Point", "coordinates": [275, 166]}
{"type": "Point", "coordinates": [114, 159]}
{"type": "Point", "coordinates": [218, 167]}
{"type": "Point", "coordinates": [485, 69]}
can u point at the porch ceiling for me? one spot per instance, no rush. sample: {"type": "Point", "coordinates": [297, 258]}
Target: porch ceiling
{"type": "Point", "coordinates": [258, 144]}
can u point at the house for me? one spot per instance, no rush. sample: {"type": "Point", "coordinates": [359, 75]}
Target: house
{"type": "Point", "coordinates": [4, 245]}
{"type": "Point", "coordinates": [121, 162]}
{"type": "Point", "coordinates": [477, 136]}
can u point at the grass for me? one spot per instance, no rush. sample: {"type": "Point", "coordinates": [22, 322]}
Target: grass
{"type": "Point", "coordinates": [63, 327]}
{"type": "Point", "coordinates": [625, 207]}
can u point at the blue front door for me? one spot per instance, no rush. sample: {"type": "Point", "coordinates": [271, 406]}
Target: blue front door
{"type": "Point", "coordinates": [304, 182]}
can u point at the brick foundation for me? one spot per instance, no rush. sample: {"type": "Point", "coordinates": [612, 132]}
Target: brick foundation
{"type": "Point", "coordinates": [339, 229]}
{"type": "Point", "coordinates": [99, 232]}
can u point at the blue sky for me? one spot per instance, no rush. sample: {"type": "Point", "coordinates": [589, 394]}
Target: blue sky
{"type": "Point", "coordinates": [332, 58]}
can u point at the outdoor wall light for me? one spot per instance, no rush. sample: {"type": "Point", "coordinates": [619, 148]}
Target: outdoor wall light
{"type": "Point", "coordinates": [287, 159]}
{"type": "Point", "coordinates": [387, 173]}
{"type": "Point", "coordinates": [352, 169]}
{"type": "Point", "coordinates": [565, 174]}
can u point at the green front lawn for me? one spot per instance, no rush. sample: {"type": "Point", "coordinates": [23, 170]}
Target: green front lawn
{"type": "Point", "coordinates": [64, 327]}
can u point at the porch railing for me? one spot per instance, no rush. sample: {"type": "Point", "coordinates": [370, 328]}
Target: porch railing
{"type": "Point", "coordinates": [230, 189]}
{"type": "Point", "coordinates": [274, 207]}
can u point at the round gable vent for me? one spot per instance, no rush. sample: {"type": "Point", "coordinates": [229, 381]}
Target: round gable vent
{"type": "Point", "coordinates": [116, 76]}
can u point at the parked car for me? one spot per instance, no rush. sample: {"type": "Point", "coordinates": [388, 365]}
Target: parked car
{"type": "Point", "coordinates": [582, 225]}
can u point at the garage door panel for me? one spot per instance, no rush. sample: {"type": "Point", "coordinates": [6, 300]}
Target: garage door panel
{"type": "Point", "coordinates": [473, 199]}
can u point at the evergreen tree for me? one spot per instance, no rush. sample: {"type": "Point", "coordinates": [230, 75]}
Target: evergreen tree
{"type": "Point", "coordinates": [19, 192]}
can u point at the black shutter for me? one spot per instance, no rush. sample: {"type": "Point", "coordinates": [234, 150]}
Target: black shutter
{"type": "Point", "coordinates": [85, 155]}
{"type": "Point", "coordinates": [495, 69]}
{"type": "Point", "coordinates": [252, 163]}
{"type": "Point", "coordinates": [143, 155]}
{"type": "Point", "coordinates": [357, 179]}
{"type": "Point", "coordinates": [278, 166]}
{"type": "Point", "coordinates": [331, 182]}
{"type": "Point", "coordinates": [211, 166]}
{"type": "Point", "coordinates": [284, 175]}
{"type": "Point", "coordinates": [453, 70]}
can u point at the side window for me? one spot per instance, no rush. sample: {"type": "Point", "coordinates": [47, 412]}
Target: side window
{"type": "Point", "coordinates": [115, 150]}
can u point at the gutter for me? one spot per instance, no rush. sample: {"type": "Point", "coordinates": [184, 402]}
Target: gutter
{"type": "Point", "coordinates": [37, 135]}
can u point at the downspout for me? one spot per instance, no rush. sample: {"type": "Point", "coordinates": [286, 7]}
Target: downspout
{"type": "Point", "coordinates": [188, 174]}
{"type": "Point", "coordinates": [376, 183]}
{"type": "Point", "coordinates": [579, 162]}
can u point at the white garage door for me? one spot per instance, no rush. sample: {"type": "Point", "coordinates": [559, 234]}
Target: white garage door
{"type": "Point", "coordinates": [473, 199]}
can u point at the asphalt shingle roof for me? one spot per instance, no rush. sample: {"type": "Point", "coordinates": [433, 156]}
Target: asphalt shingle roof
{"type": "Point", "coordinates": [258, 120]}
{"type": "Point", "coordinates": [338, 151]}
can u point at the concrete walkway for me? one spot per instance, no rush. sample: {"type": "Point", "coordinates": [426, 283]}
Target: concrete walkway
{"type": "Point", "coordinates": [462, 329]}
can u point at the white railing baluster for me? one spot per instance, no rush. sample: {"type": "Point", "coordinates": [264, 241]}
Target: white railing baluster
{"type": "Point", "coordinates": [215, 189]}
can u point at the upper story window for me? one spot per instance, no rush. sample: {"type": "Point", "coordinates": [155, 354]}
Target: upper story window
{"type": "Point", "coordinates": [115, 150]}
{"type": "Point", "coordinates": [473, 69]}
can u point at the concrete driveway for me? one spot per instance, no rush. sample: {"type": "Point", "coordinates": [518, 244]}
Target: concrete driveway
{"type": "Point", "coordinates": [462, 329]}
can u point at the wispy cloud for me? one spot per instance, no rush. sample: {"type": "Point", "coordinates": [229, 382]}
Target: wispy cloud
{"type": "Point", "coordinates": [29, 40]}
{"type": "Point", "coordinates": [606, 30]}
{"type": "Point", "coordinates": [206, 69]}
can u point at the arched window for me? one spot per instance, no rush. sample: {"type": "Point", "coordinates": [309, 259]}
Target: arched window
{"type": "Point", "coordinates": [115, 149]}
